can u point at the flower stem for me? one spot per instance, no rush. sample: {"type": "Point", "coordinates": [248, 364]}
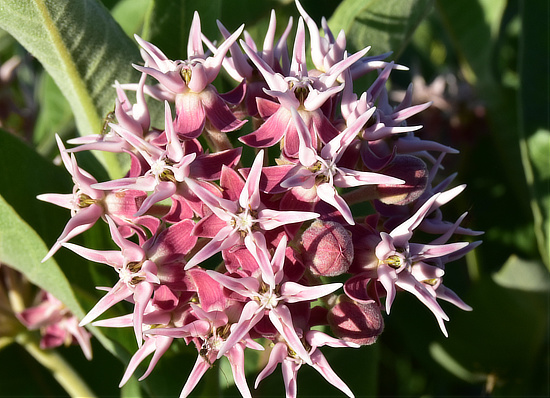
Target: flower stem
{"type": "Point", "coordinates": [61, 370]}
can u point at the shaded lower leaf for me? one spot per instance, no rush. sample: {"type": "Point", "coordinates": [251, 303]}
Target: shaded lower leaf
{"type": "Point", "coordinates": [22, 249]}
{"type": "Point", "coordinates": [534, 115]}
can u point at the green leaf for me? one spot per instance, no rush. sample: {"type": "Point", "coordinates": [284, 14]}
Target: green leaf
{"type": "Point", "coordinates": [22, 249]}
{"type": "Point", "coordinates": [82, 47]}
{"type": "Point", "coordinates": [534, 115]}
{"type": "Point", "coordinates": [523, 275]}
{"type": "Point", "coordinates": [168, 23]}
{"type": "Point", "coordinates": [130, 14]}
{"type": "Point", "coordinates": [473, 26]}
{"type": "Point", "coordinates": [55, 116]}
{"type": "Point", "coordinates": [386, 25]}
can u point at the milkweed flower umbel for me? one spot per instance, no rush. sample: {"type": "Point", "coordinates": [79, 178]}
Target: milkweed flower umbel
{"type": "Point", "coordinates": [229, 242]}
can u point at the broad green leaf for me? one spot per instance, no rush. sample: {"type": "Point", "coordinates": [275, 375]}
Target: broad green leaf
{"type": "Point", "coordinates": [534, 124]}
{"type": "Point", "coordinates": [130, 14]}
{"type": "Point", "coordinates": [55, 116]}
{"type": "Point", "coordinates": [520, 274]}
{"type": "Point", "coordinates": [473, 25]}
{"type": "Point", "coordinates": [22, 249]}
{"type": "Point", "coordinates": [82, 47]}
{"type": "Point", "coordinates": [386, 25]}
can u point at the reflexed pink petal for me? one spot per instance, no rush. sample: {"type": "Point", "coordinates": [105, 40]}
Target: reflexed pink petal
{"type": "Point", "coordinates": [306, 152]}
{"type": "Point", "coordinates": [294, 292]}
{"type": "Point", "coordinates": [247, 287]}
{"type": "Point", "coordinates": [420, 251]}
{"type": "Point", "coordinates": [190, 115]}
{"type": "Point", "coordinates": [387, 277]}
{"type": "Point", "coordinates": [270, 132]}
{"type": "Point", "coordinates": [316, 338]}
{"type": "Point", "coordinates": [118, 293]}
{"type": "Point", "coordinates": [131, 251]}
{"type": "Point", "coordinates": [256, 245]}
{"type": "Point", "coordinates": [65, 200]}
{"type": "Point", "coordinates": [271, 219]}
{"type": "Point", "coordinates": [250, 194]}
{"type": "Point", "coordinates": [328, 194]}
{"type": "Point", "coordinates": [290, 371]}
{"type": "Point", "coordinates": [142, 296]}
{"type": "Point", "coordinates": [162, 343]}
{"type": "Point", "coordinates": [282, 320]}
{"type": "Point", "coordinates": [218, 113]}
{"type": "Point", "coordinates": [225, 239]}
{"type": "Point", "coordinates": [80, 222]}
{"type": "Point", "coordinates": [236, 360]}
{"type": "Point", "coordinates": [171, 79]}
{"type": "Point", "coordinates": [164, 190]}
{"type": "Point", "coordinates": [110, 257]}
{"type": "Point", "coordinates": [199, 369]}
{"type": "Point", "coordinates": [278, 353]}
{"type": "Point", "coordinates": [250, 316]}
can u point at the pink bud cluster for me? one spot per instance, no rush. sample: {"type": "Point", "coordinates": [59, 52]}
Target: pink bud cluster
{"type": "Point", "coordinates": [230, 256]}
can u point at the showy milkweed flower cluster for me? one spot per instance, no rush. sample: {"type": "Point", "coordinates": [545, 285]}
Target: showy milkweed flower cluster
{"type": "Point", "coordinates": [231, 255]}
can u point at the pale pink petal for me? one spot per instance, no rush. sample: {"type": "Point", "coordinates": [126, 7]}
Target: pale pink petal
{"type": "Point", "coordinates": [190, 115]}
{"type": "Point", "coordinates": [277, 355]}
{"type": "Point", "coordinates": [250, 195]}
{"type": "Point", "coordinates": [199, 369]}
{"type": "Point", "coordinates": [118, 293]}
{"type": "Point", "coordinates": [110, 257]}
{"type": "Point", "coordinates": [327, 193]}
{"type": "Point", "coordinates": [293, 292]}
{"type": "Point", "coordinates": [226, 238]}
{"type": "Point", "coordinates": [162, 343]}
{"type": "Point", "coordinates": [236, 360]}
{"type": "Point", "coordinates": [80, 222]}
{"type": "Point", "coordinates": [282, 320]}
{"type": "Point", "coordinates": [251, 314]}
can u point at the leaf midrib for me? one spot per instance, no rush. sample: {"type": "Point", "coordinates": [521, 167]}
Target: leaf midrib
{"type": "Point", "coordinates": [91, 116]}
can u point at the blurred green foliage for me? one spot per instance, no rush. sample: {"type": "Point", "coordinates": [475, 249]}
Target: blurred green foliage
{"type": "Point", "coordinates": [483, 63]}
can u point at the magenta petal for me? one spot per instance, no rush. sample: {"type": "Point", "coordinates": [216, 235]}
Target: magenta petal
{"type": "Point", "coordinates": [190, 115]}
{"type": "Point", "coordinates": [270, 132]}
{"type": "Point", "coordinates": [210, 292]}
{"type": "Point", "coordinates": [208, 167]}
{"type": "Point", "coordinates": [173, 243]}
{"type": "Point", "coordinates": [218, 113]}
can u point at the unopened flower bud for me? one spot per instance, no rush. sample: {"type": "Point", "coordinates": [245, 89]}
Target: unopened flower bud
{"type": "Point", "coordinates": [328, 248]}
{"type": "Point", "coordinates": [415, 174]}
{"type": "Point", "coordinates": [359, 323]}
